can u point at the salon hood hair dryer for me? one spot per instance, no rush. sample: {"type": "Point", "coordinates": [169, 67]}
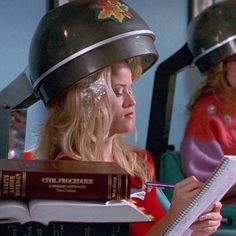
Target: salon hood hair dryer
{"type": "Point", "coordinates": [71, 42]}
{"type": "Point", "coordinates": [211, 37]}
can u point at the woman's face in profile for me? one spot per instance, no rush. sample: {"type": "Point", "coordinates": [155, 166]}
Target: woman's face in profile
{"type": "Point", "coordinates": [122, 101]}
{"type": "Point", "coordinates": [231, 71]}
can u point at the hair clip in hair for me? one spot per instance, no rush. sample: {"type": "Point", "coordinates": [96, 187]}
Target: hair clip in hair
{"type": "Point", "coordinates": [94, 88]}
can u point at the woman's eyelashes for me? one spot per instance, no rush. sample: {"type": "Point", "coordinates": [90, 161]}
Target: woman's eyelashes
{"type": "Point", "coordinates": [122, 91]}
{"type": "Point", "coordinates": [119, 90]}
{"type": "Point", "coordinates": [118, 93]}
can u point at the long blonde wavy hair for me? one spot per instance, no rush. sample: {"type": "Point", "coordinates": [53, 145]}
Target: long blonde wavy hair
{"type": "Point", "coordinates": [77, 127]}
{"type": "Point", "coordinates": [216, 84]}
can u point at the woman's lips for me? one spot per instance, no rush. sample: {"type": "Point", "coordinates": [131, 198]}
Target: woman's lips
{"type": "Point", "coordinates": [129, 115]}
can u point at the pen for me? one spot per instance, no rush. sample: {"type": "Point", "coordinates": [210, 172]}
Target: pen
{"type": "Point", "coordinates": [159, 185]}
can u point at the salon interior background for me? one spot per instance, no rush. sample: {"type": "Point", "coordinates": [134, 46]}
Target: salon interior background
{"type": "Point", "coordinates": [167, 18]}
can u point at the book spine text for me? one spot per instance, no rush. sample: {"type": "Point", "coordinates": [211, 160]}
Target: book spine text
{"type": "Point", "coordinates": [74, 186]}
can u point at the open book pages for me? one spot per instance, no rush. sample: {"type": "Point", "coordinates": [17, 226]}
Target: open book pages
{"type": "Point", "coordinates": [213, 190]}
{"type": "Point", "coordinates": [45, 211]}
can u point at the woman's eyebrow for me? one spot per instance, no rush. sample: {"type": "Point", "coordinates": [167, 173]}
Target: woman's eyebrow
{"type": "Point", "coordinates": [123, 84]}
{"type": "Point", "coordinates": [119, 85]}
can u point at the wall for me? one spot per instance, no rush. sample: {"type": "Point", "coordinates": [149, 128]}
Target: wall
{"type": "Point", "coordinates": [167, 18]}
{"type": "Point", "coordinates": [18, 22]}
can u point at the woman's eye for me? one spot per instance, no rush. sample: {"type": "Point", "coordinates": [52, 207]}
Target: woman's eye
{"type": "Point", "coordinates": [118, 93]}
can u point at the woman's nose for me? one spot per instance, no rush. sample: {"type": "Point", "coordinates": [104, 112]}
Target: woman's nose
{"type": "Point", "coordinates": [130, 100]}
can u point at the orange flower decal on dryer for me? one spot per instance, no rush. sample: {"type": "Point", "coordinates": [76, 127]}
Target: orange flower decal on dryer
{"type": "Point", "coordinates": [112, 9]}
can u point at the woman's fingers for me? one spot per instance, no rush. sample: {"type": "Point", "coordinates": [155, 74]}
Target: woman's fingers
{"type": "Point", "coordinates": [208, 223]}
{"type": "Point", "coordinates": [189, 184]}
{"type": "Point", "coordinates": [205, 227]}
{"type": "Point", "coordinates": [184, 191]}
{"type": "Point", "coordinates": [187, 188]}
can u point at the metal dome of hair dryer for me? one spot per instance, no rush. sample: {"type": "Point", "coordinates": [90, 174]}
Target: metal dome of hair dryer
{"type": "Point", "coordinates": [212, 34]}
{"type": "Point", "coordinates": [71, 42]}
{"type": "Point", "coordinates": [78, 39]}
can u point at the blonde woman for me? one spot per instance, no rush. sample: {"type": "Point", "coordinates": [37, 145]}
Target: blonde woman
{"type": "Point", "coordinates": [83, 60]}
{"type": "Point", "coordinates": [89, 121]}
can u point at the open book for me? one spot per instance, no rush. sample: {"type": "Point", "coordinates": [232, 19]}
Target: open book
{"type": "Point", "coordinates": [221, 180]}
{"type": "Point", "coordinates": [45, 211]}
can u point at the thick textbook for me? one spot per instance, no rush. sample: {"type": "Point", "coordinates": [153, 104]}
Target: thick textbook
{"type": "Point", "coordinates": [48, 210]}
{"type": "Point", "coordinates": [65, 229]}
{"type": "Point", "coordinates": [63, 179]}
{"type": "Point", "coordinates": [213, 190]}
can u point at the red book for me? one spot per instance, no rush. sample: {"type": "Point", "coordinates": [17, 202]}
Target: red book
{"type": "Point", "coordinates": [63, 179]}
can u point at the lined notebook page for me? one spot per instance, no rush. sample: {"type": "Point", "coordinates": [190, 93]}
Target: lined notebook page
{"type": "Point", "coordinates": [212, 191]}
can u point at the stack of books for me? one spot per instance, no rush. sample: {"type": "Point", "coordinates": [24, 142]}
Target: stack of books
{"type": "Point", "coordinates": [43, 198]}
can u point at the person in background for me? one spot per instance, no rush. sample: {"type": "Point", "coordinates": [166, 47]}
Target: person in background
{"type": "Point", "coordinates": [211, 130]}
{"type": "Point", "coordinates": [84, 75]}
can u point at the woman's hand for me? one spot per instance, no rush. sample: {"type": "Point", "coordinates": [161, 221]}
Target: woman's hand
{"type": "Point", "coordinates": [208, 223]}
{"type": "Point", "coordinates": [183, 193]}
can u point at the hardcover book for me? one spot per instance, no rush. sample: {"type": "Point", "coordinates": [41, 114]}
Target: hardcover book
{"type": "Point", "coordinates": [63, 179]}
{"type": "Point", "coordinates": [90, 229]}
{"type": "Point", "coordinates": [47, 210]}
{"type": "Point", "coordinates": [65, 229]}
{"type": "Point", "coordinates": [221, 180]}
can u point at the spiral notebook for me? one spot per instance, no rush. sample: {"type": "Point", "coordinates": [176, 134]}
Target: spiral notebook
{"type": "Point", "coordinates": [221, 180]}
